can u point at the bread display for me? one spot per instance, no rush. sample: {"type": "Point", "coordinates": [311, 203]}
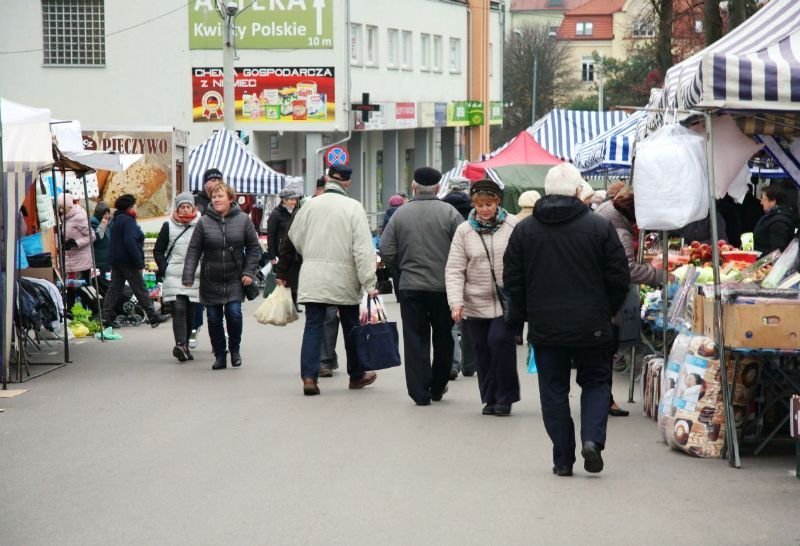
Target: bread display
{"type": "Point", "coordinates": [145, 181]}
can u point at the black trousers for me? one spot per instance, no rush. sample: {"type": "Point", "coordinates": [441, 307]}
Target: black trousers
{"type": "Point", "coordinates": [183, 319]}
{"type": "Point", "coordinates": [594, 370]}
{"type": "Point", "coordinates": [134, 277]}
{"type": "Point", "coordinates": [496, 357]}
{"type": "Point", "coordinates": [426, 316]}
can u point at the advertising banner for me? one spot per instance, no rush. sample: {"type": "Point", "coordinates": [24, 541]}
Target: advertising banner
{"type": "Point", "coordinates": [406, 115]}
{"type": "Point", "coordinates": [264, 24]}
{"type": "Point", "coordinates": [382, 120]}
{"type": "Point", "coordinates": [149, 179]}
{"type": "Point", "coordinates": [496, 112]}
{"type": "Point", "coordinates": [465, 113]}
{"type": "Point", "coordinates": [427, 114]}
{"type": "Point", "coordinates": [267, 95]}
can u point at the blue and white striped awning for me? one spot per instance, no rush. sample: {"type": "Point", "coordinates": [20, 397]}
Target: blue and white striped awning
{"type": "Point", "coordinates": [455, 171]}
{"type": "Point", "coordinates": [561, 131]}
{"type": "Point", "coordinates": [611, 150]}
{"type": "Point", "coordinates": [756, 66]}
{"type": "Point", "coordinates": [241, 168]}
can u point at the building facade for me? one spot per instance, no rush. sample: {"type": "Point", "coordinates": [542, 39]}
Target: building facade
{"type": "Point", "coordinates": [300, 66]}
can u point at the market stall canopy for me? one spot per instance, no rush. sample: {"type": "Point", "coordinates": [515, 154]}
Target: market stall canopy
{"type": "Point", "coordinates": [69, 138]}
{"type": "Point", "coordinates": [27, 143]}
{"type": "Point", "coordinates": [612, 150]}
{"type": "Point", "coordinates": [560, 132]}
{"type": "Point", "coordinates": [241, 168]}
{"type": "Point", "coordinates": [522, 150]}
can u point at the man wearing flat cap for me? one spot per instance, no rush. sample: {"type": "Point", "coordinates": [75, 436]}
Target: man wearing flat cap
{"type": "Point", "coordinates": [331, 232]}
{"type": "Point", "coordinates": [415, 244]}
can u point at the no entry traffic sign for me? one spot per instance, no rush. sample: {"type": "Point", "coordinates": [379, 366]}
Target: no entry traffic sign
{"type": "Point", "coordinates": [337, 156]}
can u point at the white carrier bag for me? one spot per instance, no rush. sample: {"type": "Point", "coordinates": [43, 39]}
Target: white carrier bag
{"type": "Point", "coordinates": [670, 179]}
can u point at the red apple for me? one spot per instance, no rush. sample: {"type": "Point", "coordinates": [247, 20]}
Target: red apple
{"type": "Point", "coordinates": [695, 244]}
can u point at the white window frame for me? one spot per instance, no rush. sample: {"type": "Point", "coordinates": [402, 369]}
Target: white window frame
{"type": "Point", "coordinates": [73, 33]}
{"type": "Point", "coordinates": [437, 60]}
{"type": "Point", "coordinates": [584, 28]}
{"type": "Point", "coordinates": [372, 57]}
{"type": "Point", "coordinates": [454, 63]}
{"type": "Point", "coordinates": [407, 50]}
{"type": "Point", "coordinates": [393, 48]}
{"type": "Point", "coordinates": [588, 70]}
{"type": "Point", "coordinates": [425, 52]}
{"type": "Point", "coordinates": [356, 44]}
{"type": "Point", "coordinates": [643, 29]}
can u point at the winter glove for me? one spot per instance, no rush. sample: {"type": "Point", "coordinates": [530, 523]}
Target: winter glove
{"type": "Point", "coordinates": [69, 244]}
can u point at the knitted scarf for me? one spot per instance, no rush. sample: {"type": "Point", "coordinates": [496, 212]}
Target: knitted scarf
{"type": "Point", "coordinates": [487, 227]}
{"type": "Point", "coordinates": [184, 218]}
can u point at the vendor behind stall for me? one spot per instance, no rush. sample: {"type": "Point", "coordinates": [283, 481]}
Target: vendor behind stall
{"type": "Point", "coordinates": [776, 228]}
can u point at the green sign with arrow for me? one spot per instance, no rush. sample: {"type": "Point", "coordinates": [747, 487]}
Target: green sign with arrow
{"type": "Point", "coordinates": [264, 24]}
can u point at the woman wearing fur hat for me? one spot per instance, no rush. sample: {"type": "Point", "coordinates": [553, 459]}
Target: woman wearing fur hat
{"type": "Point", "coordinates": [474, 268]}
{"type": "Point", "coordinates": [77, 240]}
{"type": "Point", "coordinates": [170, 254]}
{"type": "Point", "coordinates": [278, 227]}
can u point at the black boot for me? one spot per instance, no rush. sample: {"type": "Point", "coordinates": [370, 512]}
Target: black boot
{"type": "Point", "coordinates": [236, 359]}
{"type": "Point", "coordinates": [220, 363]}
{"type": "Point", "coordinates": [157, 318]}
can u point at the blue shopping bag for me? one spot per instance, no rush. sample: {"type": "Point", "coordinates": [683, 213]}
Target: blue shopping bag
{"type": "Point", "coordinates": [32, 244]}
{"type": "Point", "coordinates": [531, 360]}
{"type": "Point", "coordinates": [377, 343]}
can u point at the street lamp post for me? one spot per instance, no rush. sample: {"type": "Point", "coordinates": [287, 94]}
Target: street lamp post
{"type": "Point", "coordinates": [228, 86]}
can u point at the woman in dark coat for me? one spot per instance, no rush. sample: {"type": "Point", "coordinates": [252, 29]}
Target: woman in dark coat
{"type": "Point", "coordinates": [226, 240]}
{"type": "Point", "coordinates": [774, 230]}
{"type": "Point", "coordinates": [278, 227]}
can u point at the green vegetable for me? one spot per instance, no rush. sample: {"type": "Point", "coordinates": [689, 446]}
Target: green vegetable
{"type": "Point", "coordinates": [81, 315]}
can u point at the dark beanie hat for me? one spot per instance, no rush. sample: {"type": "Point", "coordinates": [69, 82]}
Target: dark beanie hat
{"type": "Point", "coordinates": [486, 186]}
{"type": "Point", "coordinates": [427, 176]}
{"type": "Point", "coordinates": [340, 172]}
{"type": "Point", "coordinates": [100, 209]}
{"type": "Point", "coordinates": [124, 202]}
{"type": "Point", "coordinates": [321, 182]}
{"type": "Point", "coordinates": [210, 174]}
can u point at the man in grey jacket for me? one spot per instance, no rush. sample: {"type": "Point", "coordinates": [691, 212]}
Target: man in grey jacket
{"type": "Point", "coordinates": [416, 244]}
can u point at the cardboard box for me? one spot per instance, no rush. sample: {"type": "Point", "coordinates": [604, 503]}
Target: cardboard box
{"type": "Point", "coordinates": [756, 326]}
{"type": "Point", "coordinates": [45, 273]}
{"type": "Point", "coordinates": [697, 314]}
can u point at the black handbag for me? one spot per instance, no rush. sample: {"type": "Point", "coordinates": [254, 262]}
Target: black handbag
{"type": "Point", "coordinates": [502, 297]}
{"type": "Point", "coordinates": [377, 343]}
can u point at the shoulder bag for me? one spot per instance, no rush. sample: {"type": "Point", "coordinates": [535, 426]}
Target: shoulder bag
{"type": "Point", "coordinates": [502, 297]}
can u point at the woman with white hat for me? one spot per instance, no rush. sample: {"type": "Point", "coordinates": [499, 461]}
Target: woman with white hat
{"type": "Point", "coordinates": [170, 254]}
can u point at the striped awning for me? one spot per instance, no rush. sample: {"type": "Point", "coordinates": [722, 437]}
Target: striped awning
{"type": "Point", "coordinates": [561, 131]}
{"type": "Point", "coordinates": [241, 168]}
{"type": "Point", "coordinates": [455, 171]}
{"type": "Point", "coordinates": [611, 150]}
{"type": "Point", "coordinates": [756, 66]}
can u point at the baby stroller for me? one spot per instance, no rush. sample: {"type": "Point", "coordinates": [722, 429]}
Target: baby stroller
{"type": "Point", "coordinates": [128, 312]}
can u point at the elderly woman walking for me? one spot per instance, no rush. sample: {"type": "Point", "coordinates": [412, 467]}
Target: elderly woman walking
{"type": "Point", "coordinates": [226, 240]}
{"type": "Point", "coordinates": [278, 228]}
{"type": "Point", "coordinates": [473, 274]}
{"type": "Point", "coordinates": [170, 254]}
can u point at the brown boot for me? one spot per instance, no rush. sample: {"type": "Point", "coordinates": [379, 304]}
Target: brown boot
{"type": "Point", "coordinates": [368, 379]}
{"type": "Point", "coordinates": [310, 387]}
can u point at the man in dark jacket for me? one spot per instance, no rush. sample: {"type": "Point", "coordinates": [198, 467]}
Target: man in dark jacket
{"type": "Point", "coordinates": [126, 257]}
{"type": "Point", "coordinates": [202, 200]}
{"type": "Point", "coordinates": [458, 196]}
{"type": "Point", "coordinates": [774, 230]}
{"type": "Point", "coordinates": [416, 243]}
{"type": "Point", "coordinates": [570, 269]}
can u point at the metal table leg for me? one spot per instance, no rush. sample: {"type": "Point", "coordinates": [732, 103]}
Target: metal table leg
{"type": "Point", "coordinates": [633, 374]}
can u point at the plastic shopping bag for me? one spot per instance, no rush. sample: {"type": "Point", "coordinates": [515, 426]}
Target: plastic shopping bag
{"type": "Point", "coordinates": [531, 360]}
{"type": "Point", "coordinates": [278, 309]}
{"type": "Point", "coordinates": [367, 313]}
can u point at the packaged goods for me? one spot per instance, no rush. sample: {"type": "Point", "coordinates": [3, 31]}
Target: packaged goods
{"type": "Point", "coordinates": [652, 367]}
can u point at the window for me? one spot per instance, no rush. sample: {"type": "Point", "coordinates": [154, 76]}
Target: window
{"type": "Point", "coordinates": [583, 29]}
{"type": "Point", "coordinates": [407, 59]}
{"type": "Point", "coordinates": [555, 3]}
{"type": "Point", "coordinates": [73, 32]}
{"type": "Point", "coordinates": [587, 69]}
{"type": "Point", "coordinates": [698, 26]}
{"type": "Point", "coordinates": [437, 53]}
{"type": "Point", "coordinates": [643, 29]}
{"type": "Point", "coordinates": [372, 46]}
{"type": "Point", "coordinates": [356, 44]}
{"type": "Point", "coordinates": [393, 48]}
{"type": "Point", "coordinates": [455, 55]}
{"type": "Point", "coordinates": [425, 52]}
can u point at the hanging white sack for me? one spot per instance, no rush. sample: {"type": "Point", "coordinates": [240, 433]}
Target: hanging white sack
{"type": "Point", "coordinates": [732, 150]}
{"type": "Point", "coordinates": [670, 179]}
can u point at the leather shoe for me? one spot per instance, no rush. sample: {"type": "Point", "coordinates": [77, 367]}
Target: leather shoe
{"type": "Point", "coordinates": [562, 470]}
{"type": "Point", "coordinates": [367, 379]}
{"type": "Point", "coordinates": [488, 409]}
{"type": "Point", "coordinates": [453, 375]}
{"type": "Point", "coordinates": [310, 387]}
{"type": "Point", "coordinates": [502, 410]}
{"type": "Point", "coordinates": [158, 318]}
{"type": "Point", "coordinates": [236, 360]}
{"type": "Point", "coordinates": [438, 397]}
{"type": "Point", "coordinates": [592, 460]}
{"type": "Point", "coordinates": [618, 412]}
{"type": "Point", "coordinates": [325, 372]}
{"type": "Point", "coordinates": [220, 363]}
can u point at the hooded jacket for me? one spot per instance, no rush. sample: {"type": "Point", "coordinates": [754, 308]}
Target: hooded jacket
{"type": "Point", "coordinates": [127, 242]}
{"type": "Point", "coordinates": [76, 226]}
{"type": "Point", "coordinates": [566, 273]}
{"type": "Point", "coordinates": [229, 249]}
{"type": "Point", "coordinates": [774, 230]}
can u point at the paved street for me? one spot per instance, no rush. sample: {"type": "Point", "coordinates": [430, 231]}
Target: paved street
{"type": "Point", "coordinates": [126, 446]}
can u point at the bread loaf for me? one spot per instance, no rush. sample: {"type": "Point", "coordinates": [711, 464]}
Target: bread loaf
{"type": "Point", "coordinates": [141, 180]}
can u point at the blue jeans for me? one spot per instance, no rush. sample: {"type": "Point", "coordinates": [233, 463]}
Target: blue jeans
{"type": "Point", "coordinates": [232, 313]}
{"type": "Point", "coordinates": [314, 332]}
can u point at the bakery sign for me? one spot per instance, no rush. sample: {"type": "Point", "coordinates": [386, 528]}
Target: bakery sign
{"type": "Point", "coordinates": [264, 24]}
{"type": "Point", "coordinates": [267, 94]}
{"type": "Point", "coordinates": [149, 179]}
